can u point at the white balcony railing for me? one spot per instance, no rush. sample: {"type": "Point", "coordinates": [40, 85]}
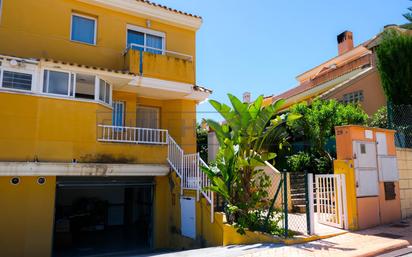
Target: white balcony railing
{"type": "Point", "coordinates": [133, 135]}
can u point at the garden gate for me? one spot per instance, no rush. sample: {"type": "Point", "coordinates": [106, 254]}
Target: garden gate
{"type": "Point", "coordinates": [331, 202]}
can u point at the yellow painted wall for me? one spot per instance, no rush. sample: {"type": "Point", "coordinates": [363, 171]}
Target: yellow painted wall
{"type": "Point", "coordinates": [62, 130]}
{"type": "Point", "coordinates": [167, 67]}
{"type": "Point", "coordinates": [41, 29]}
{"type": "Point", "coordinates": [26, 220]}
{"type": "Point", "coordinates": [346, 167]}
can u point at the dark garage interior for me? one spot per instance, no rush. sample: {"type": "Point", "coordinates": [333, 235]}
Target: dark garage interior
{"type": "Point", "coordinates": [103, 215]}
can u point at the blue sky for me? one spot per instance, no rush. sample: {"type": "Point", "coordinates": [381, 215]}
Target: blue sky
{"type": "Point", "coordinates": [261, 45]}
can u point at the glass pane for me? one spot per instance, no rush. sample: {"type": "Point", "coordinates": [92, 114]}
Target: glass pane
{"type": "Point", "coordinates": [118, 114]}
{"type": "Point", "coordinates": [83, 29]}
{"type": "Point", "coordinates": [85, 86]}
{"type": "Point", "coordinates": [154, 42]}
{"type": "Point", "coordinates": [56, 82]}
{"type": "Point", "coordinates": [72, 85]}
{"type": "Point", "coordinates": [17, 80]}
{"type": "Point", "coordinates": [107, 100]}
{"type": "Point", "coordinates": [102, 89]}
{"type": "Point", "coordinates": [134, 37]}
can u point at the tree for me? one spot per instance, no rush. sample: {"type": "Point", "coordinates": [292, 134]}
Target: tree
{"type": "Point", "coordinates": [380, 118]}
{"type": "Point", "coordinates": [394, 56]}
{"type": "Point", "coordinates": [201, 140]}
{"type": "Point", "coordinates": [235, 175]}
{"type": "Point", "coordinates": [408, 15]}
{"type": "Point", "coordinates": [318, 123]}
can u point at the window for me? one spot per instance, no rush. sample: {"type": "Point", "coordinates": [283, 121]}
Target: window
{"type": "Point", "coordinates": [353, 97]}
{"type": "Point", "coordinates": [76, 85]}
{"type": "Point", "coordinates": [145, 40]}
{"type": "Point", "coordinates": [16, 80]}
{"type": "Point", "coordinates": [83, 29]}
{"type": "Point", "coordinates": [118, 113]}
{"type": "Point", "coordinates": [56, 82]}
{"type": "Point", "coordinates": [148, 117]}
{"type": "Point", "coordinates": [104, 91]}
{"type": "Point", "coordinates": [85, 85]}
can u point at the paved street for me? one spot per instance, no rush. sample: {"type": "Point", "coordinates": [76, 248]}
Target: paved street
{"type": "Point", "coordinates": [371, 242]}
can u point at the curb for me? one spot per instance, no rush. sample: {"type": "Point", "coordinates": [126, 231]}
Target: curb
{"type": "Point", "coordinates": [397, 246]}
{"type": "Point", "coordinates": [310, 238]}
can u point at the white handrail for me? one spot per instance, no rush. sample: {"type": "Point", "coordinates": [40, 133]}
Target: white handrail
{"type": "Point", "coordinates": [134, 135]}
{"type": "Point", "coordinates": [187, 167]}
{"type": "Point", "coordinates": [162, 51]}
{"type": "Point", "coordinates": [204, 183]}
{"type": "Point", "coordinates": [175, 156]}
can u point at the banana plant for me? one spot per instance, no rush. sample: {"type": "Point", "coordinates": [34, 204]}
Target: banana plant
{"type": "Point", "coordinates": [242, 137]}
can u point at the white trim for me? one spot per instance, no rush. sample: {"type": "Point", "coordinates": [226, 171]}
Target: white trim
{"type": "Point", "coordinates": [145, 30]}
{"type": "Point", "coordinates": [29, 93]}
{"type": "Point", "coordinates": [167, 85]}
{"type": "Point", "coordinates": [145, 10]}
{"type": "Point", "coordinates": [80, 169]}
{"type": "Point", "coordinates": [162, 84]}
{"type": "Point", "coordinates": [86, 17]}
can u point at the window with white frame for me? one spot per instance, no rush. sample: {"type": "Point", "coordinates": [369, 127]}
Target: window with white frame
{"type": "Point", "coordinates": [58, 83]}
{"type": "Point", "coordinates": [104, 91]}
{"type": "Point", "coordinates": [145, 40]}
{"type": "Point", "coordinates": [83, 29]}
{"type": "Point", "coordinates": [353, 97]}
{"type": "Point", "coordinates": [16, 80]}
{"type": "Point", "coordinates": [76, 85]}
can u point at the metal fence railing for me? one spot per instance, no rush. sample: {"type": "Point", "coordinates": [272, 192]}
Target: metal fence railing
{"type": "Point", "coordinates": [291, 207]}
{"type": "Point", "coordinates": [400, 119]}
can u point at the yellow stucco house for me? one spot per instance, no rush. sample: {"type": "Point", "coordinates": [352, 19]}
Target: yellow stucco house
{"type": "Point", "coordinates": [97, 138]}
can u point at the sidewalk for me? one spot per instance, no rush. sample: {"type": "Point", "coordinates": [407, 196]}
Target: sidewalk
{"type": "Point", "coordinates": [369, 242]}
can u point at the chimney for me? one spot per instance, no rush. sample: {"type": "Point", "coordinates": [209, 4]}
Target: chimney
{"type": "Point", "coordinates": [246, 97]}
{"type": "Point", "coordinates": [345, 42]}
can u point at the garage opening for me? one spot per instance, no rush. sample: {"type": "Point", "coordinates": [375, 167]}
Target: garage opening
{"type": "Point", "coordinates": [103, 215]}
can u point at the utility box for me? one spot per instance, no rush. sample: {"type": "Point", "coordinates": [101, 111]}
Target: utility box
{"type": "Point", "coordinates": [368, 157]}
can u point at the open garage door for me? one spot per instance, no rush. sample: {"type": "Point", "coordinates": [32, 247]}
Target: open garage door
{"type": "Point", "coordinates": [98, 215]}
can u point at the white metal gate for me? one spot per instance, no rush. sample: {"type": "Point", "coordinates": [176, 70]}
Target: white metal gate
{"type": "Point", "coordinates": [331, 200]}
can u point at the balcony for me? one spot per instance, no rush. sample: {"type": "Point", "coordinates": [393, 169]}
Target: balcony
{"type": "Point", "coordinates": [161, 64]}
{"type": "Point", "coordinates": [331, 74]}
{"type": "Point", "coordinates": [132, 135]}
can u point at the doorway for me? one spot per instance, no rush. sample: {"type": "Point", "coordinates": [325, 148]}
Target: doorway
{"type": "Point", "coordinates": [102, 216]}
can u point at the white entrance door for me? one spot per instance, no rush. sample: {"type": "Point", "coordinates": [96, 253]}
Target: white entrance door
{"type": "Point", "coordinates": [331, 200]}
{"type": "Point", "coordinates": [188, 216]}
